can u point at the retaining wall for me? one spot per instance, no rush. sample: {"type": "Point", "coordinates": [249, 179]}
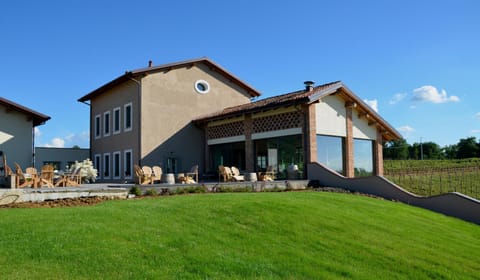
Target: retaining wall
{"type": "Point", "coordinates": [36, 195]}
{"type": "Point", "coordinates": [451, 204]}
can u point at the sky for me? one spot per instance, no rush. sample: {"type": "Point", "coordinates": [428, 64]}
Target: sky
{"type": "Point", "coordinates": [416, 62]}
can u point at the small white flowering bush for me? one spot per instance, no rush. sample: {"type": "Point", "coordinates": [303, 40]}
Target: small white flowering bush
{"type": "Point", "coordinates": [87, 171]}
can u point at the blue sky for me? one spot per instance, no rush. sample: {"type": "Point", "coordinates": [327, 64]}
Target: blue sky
{"type": "Point", "coordinates": [416, 62]}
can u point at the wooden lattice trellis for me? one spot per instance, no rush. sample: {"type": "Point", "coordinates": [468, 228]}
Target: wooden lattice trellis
{"type": "Point", "coordinates": [277, 122]}
{"type": "Point", "coordinates": [225, 130]}
{"type": "Point", "coordinates": [262, 124]}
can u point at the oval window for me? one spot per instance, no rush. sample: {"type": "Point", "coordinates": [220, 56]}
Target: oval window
{"type": "Point", "coordinates": [202, 86]}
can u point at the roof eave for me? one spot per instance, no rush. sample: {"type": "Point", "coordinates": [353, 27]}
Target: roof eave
{"type": "Point", "coordinates": [37, 118]}
{"type": "Point", "coordinates": [390, 130]}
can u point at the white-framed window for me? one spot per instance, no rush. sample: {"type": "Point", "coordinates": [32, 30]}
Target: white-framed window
{"type": "Point", "coordinates": [128, 164]}
{"type": "Point", "coordinates": [106, 166]}
{"type": "Point", "coordinates": [116, 120]}
{"type": "Point", "coordinates": [202, 86]}
{"type": "Point", "coordinates": [97, 161]}
{"type": "Point", "coordinates": [97, 127]}
{"type": "Point", "coordinates": [127, 117]}
{"type": "Point", "coordinates": [116, 165]}
{"type": "Point", "coordinates": [106, 123]}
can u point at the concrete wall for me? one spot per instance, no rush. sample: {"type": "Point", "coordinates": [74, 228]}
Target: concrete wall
{"type": "Point", "coordinates": [451, 204]}
{"type": "Point", "coordinates": [63, 156]}
{"type": "Point", "coordinates": [16, 137]}
{"type": "Point", "coordinates": [170, 103]}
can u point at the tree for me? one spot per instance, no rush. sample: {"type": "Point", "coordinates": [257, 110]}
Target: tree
{"type": "Point", "coordinates": [426, 150]}
{"type": "Point", "coordinates": [76, 147]}
{"type": "Point", "coordinates": [467, 148]}
{"type": "Point", "coordinates": [450, 151]}
{"type": "Point", "coordinates": [396, 149]}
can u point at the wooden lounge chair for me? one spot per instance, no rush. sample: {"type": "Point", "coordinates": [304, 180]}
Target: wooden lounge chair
{"type": "Point", "coordinates": [22, 180]}
{"type": "Point", "coordinates": [143, 179]}
{"type": "Point", "coordinates": [46, 176]}
{"type": "Point", "coordinates": [268, 175]}
{"type": "Point", "coordinates": [225, 173]}
{"type": "Point", "coordinates": [73, 179]}
{"type": "Point", "coordinates": [157, 173]}
{"type": "Point", "coordinates": [148, 173]}
{"type": "Point", "coordinates": [193, 173]}
{"type": "Point", "coordinates": [32, 174]}
{"type": "Point", "coordinates": [236, 174]}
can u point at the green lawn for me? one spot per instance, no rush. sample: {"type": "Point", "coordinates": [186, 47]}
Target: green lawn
{"type": "Point", "coordinates": [289, 235]}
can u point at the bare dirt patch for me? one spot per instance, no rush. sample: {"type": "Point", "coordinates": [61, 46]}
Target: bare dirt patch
{"type": "Point", "coordinates": [66, 202]}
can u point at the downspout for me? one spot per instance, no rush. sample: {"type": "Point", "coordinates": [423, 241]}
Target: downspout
{"type": "Point", "coordinates": [139, 134]}
{"type": "Point", "coordinates": [90, 138]}
{"type": "Point", "coordinates": [33, 146]}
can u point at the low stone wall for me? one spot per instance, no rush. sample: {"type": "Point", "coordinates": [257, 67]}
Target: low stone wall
{"type": "Point", "coordinates": [255, 186]}
{"type": "Point", "coordinates": [451, 204]}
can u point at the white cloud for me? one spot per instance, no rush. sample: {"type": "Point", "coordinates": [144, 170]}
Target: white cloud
{"type": "Point", "coordinates": [431, 94]}
{"type": "Point", "coordinates": [372, 103]}
{"type": "Point", "coordinates": [475, 131]}
{"type": "Point", "coordinates": [397, 98]}
{"type": "Point", "coordinates": [56, 143]}
{"type": "Point", "coordinates": [37, 132]}
{"type": "Point", "coordinates": [406, 129]}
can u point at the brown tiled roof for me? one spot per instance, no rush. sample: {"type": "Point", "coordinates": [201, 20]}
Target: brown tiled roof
{"type": "Point", "coordinates": [296, 97]}
{"type": "Point", "coordinates": [37, 117]}
{"type": "Point", "coordinates": [140, 72]}
{"type": "Point", "coordinates": [303, 97]}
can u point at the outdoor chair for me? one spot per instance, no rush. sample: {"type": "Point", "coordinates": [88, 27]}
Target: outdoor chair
{"type": "Point", "coordinates": [143, 179]}
{"type": "Point", "coordinates": [73, 179]}
{"type": "Point", "coordinates": [22, 180]}
{"type": "Point", "coordinates": [157, 173]}
{"type": "Point", "coordinates": [33, 174]}
{"type": "Point", "coordinates": [236, 174]}
{"type": "Point", "coordinates": [268, 175]}
{"type": "Point", "coordinates": [46, 176]}
{"type": "Point", "coordinates": [193, 173]}
{"type": "Point", "coordinates": [148, 172]}
{"type": "Point", "coordinates": [225, 173]}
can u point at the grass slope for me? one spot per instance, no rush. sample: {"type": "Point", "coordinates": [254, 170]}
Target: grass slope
{"type": "Point", "coordinates": [294, 235]}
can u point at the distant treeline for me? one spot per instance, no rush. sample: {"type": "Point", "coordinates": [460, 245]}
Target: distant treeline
{"type": "Point", "coordinates": [401, 150]}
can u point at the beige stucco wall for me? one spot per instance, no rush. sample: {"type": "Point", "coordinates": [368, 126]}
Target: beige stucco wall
{"type": "Point", "coordinates": [331, 116]}
{"type": "Point", "coordinates": [16, 132]}
{"type": "Point", "coordinates": [169, 104]}
{"type": "Point", "coordinates": [331, 119]}
{"type": "Point", "coordinates": [118, 96]}
{"type": "Point", "coordinates": [361, 129]}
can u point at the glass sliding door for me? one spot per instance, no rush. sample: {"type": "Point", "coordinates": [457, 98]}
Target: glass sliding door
{"type": "Point", "coordinates": [280, 153]}
{"type": "Point", "coordinates": [229, 154]}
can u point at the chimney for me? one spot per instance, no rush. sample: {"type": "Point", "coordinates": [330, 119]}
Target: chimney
{"type": "Point", "coordinates": [309, 85]}
{"type": "Point", "coordinates": [150, 63]}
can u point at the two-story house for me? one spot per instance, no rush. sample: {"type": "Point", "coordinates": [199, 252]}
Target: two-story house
{"type": "Point", "coordinates": [195, 112]}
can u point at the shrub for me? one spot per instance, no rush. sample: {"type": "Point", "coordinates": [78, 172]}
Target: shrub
{"type": "Point", "coordinates": [136, 190]}
{"type": "Point", "coordinates": [151, 192]}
